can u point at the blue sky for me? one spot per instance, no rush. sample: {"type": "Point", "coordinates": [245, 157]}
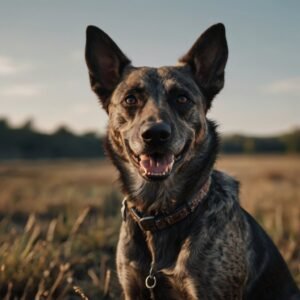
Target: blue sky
{"type": "Point", "coordinates": [43, 75]}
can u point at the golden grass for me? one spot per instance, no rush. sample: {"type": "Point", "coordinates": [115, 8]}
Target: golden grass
{"type": "Point", "coordinates": [59, 222]}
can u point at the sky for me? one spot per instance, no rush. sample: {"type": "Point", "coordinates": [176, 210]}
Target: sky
{"type": "Point", "coordinates": [43, 75]}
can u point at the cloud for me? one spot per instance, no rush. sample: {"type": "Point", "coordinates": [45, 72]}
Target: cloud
{"type": "Point", "coordinates": [290, 86]}
{"type": "Point", "coordinates": [9, 66]}
{"type": "Point", "coordinates": [21, 90]}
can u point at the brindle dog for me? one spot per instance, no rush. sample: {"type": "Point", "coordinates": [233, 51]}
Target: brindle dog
{"type": "Point", "coordinates": [183, 226]}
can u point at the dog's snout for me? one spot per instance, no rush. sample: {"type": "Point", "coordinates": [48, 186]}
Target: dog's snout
{"type": "Point", "coordinates": [156, 132]}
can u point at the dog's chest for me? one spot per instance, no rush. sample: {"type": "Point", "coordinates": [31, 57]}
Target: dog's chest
{"type": "Point", "coordinates": [175, 287]}
{"type": "Point", "coordinates": [173, 280]}
{"type": "Point", "coordinates": [171, 283]}
{"type": "Point", "coordinates": [203, 267]}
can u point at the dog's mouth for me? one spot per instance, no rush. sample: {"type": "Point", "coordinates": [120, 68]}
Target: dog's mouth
{"type": "Point", "coordinates": [157, 165]}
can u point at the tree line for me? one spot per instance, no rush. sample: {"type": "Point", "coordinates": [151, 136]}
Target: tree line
{"type": "Point", "coordinates": [25, 142]}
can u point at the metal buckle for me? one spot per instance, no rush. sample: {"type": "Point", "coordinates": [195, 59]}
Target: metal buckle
{"type": "Point", "coordinates": [147, 223]}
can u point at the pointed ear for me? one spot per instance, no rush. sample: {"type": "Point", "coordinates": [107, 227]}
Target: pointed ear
{"type": "Point", "coordinates": [207, 59]}
{"type": "Point", "coordinates": [105, 62]}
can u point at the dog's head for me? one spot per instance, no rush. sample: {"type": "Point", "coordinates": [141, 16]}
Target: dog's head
{"type": "Point", "coordinates": [157, 116]}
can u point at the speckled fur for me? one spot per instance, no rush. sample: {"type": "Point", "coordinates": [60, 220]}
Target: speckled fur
{"type": "Point", "coordinates": [218, 252]}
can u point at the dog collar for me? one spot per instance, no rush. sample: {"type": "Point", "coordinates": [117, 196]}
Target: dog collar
{"type": "Point", "coordinates": [155, 223]}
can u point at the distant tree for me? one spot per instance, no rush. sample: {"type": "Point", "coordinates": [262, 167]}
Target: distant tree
{"type": "Point", "coordinates": [4, 125]}
{"type": "Point", "coordinates": [232, 144]}
{"type": "Point", "coordinates": [28, 125]}
{"type": "Point", "coordinates": [249, 145]}
{"type": "Point", "coordinates": [63, 131]}
{"type": "Point", "coordinates": [292, 141]}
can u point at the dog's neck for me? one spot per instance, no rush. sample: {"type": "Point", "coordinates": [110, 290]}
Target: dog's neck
{"type": "Point", "coordinates": [153, 198]}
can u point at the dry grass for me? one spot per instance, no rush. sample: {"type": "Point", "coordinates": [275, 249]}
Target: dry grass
{"type": "Point", "coordinates": [59, 222]}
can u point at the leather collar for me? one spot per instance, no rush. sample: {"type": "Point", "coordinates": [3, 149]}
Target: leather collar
{"type": "Point", "coordinates": [155, 223]}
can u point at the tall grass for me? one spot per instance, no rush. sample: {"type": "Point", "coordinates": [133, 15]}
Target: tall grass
{"type": "Point", "coordinates": [47, 262]}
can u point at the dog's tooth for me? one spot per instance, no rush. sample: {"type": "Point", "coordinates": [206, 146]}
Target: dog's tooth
{"type": "Point", "coordinates": [151, 162]}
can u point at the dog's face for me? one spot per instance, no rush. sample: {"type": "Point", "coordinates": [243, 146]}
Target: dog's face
{"type": "Point", "coordinates": [157, 116]}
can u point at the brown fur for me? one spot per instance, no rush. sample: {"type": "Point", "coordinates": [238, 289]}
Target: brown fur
{"type": "Point", "coordinates": [219, 251]}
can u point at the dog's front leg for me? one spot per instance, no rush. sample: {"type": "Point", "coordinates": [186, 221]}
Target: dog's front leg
{"type": "Point", "coordinates": [131, 260]}
{"type": "Point", "coordinates": [135, 294]}
{"type": "Point", "coordinates": [132, 284]}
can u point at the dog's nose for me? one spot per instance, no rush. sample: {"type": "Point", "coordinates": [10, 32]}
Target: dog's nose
{"type": "Point", "coordinates": [156, 132]}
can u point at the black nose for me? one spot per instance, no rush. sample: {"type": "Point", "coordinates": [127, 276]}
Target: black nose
{"type": "Point", "coordinates": [156, 132]}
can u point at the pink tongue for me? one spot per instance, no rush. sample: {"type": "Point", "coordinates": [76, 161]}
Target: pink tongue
{"type": "Point", "coordinates": [156, 165]}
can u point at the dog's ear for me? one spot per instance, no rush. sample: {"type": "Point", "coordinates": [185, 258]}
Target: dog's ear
{"type": "Point", "coordinates": [105, 62]}
{"type": "Point", "coordinates": [207, 59]}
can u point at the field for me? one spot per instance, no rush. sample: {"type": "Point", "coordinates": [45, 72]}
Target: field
{"type": "Point", "coordinates": [59, 222]}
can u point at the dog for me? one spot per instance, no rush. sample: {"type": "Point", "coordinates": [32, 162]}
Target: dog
{"type": "Point", "coordinates": [184, 234]}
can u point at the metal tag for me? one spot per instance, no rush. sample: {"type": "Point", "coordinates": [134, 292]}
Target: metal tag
{"type": "Point", "coordinates": [150, 282]}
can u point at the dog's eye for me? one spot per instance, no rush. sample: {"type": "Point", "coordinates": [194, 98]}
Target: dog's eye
{"type": "Point", "coordinates": [131, 100]}
{"type": "Point", "coordinates": [182, 100]}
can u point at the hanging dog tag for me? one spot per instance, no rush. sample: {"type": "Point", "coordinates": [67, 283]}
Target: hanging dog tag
{"type": "Point", "coordinates": [150, 282]}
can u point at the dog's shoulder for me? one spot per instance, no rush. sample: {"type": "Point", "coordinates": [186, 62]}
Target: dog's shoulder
{"type": "Point", "coordinates": [225, 185]}
{"type": "Point", "coordinates": [222, 208]}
